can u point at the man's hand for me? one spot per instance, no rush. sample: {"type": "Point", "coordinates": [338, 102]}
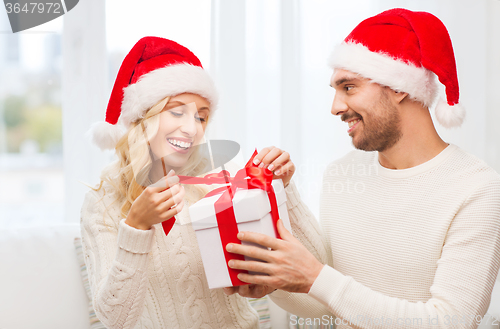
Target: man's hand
{"type": "Point", "coordinates": [289, 265]}
{"type": "Point", "coordinates": [250, 290]}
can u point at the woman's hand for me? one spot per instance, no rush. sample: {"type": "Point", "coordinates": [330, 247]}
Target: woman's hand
{"type": "Point", "coordinates": [277, 161]}
{"type": "Point", "coordinates": [157, 203]}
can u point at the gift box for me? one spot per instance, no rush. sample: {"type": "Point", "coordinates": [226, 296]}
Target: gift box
{"type": "Point", "coordinates": [250, 210]}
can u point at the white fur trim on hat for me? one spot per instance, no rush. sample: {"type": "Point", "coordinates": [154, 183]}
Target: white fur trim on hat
{"type": "Point", "coordinates": [105, 135]}
{"type": "Point", "coordinates": [449, 116]}
{"type": "Point", "coordinates": [383, 69]}
{"type": "Point", "coordinates": [168, 81]}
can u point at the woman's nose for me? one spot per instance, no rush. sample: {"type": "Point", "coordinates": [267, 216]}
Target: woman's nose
{"type": "Point", "coordinates": [189, 126]}
{"type": "Point", "coordinates": [339, 106]}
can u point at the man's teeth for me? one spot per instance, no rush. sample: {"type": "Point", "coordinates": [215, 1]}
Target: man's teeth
{"type": "Point", "coordinates": [180, 144]}
{"type": "Point", "coordinates": [353, 122]}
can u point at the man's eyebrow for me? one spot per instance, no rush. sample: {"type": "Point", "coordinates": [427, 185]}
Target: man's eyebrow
{"type": "Point", "coordinates": [344, 80]}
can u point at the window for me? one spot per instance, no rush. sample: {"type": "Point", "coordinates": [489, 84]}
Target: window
{"type": "Point", "coordinates": [31, 170]}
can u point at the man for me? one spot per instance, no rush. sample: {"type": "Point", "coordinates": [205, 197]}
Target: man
{"type": "Point", "coordinates": [412, 230]}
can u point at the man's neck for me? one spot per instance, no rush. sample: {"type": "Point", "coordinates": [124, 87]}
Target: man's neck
{"type": "Point", "coordinates": [420, 143]}
{"type": "Point", "coordinates": [407, 156]}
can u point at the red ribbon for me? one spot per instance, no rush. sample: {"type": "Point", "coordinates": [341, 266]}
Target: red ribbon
{"type": "Point", "coordinates": [250, 177]}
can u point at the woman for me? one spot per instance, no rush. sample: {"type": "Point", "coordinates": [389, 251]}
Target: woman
{"type": "Point", "coordinates": [139, 276]}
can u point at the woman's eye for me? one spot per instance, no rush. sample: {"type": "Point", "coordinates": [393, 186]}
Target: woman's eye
{"type": "Point", "coordinates": [176, 114]}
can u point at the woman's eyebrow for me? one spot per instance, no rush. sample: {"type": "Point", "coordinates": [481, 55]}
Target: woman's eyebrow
{"type": "Point", "coordinates": [176, 103]}
{"type": "Point", "coordinates": [179, 103]}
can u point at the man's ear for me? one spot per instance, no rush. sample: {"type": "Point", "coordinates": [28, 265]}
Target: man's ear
{"type": "Point", "coordinates": [397, 96]}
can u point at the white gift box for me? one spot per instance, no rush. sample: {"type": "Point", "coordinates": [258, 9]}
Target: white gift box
{"type": "Point", "coordinates": [252, 211]}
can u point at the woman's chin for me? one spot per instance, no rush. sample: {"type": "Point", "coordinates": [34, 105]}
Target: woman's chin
{"type": "Point", "coordinates": [176, 160]}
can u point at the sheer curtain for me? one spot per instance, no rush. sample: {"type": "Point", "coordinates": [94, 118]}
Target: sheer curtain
{"type": "Point", "coordinates": [269, 59]}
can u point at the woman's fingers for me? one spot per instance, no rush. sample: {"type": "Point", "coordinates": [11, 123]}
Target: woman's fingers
{"type": "Point", "coordinates": [271, 158]}
{"type": "Point", "coordinates": [284, 169]}
{"type": "Point", "coordinates": [279, 162]}
{"type": "Point", "coordinates": [168, 193]}
{"type": "Point", "coordinates": [165, 182]}
{"type": "Point", "coordinates": [179, 206]}
{"type": "Point", "coordinates": [169, 213]}
{"type": "Point", "coordinates": [258, 158]}
{"type": "Point", "coordinates": [172, 196]}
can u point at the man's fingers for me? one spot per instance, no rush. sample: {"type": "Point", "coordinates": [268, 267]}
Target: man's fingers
{"type": "Point", "coordinates": [256, 279]}
{"type": "Point", "coordinates": [230, 290]}
{"type": "Point", "coordinates": [250, 265]}
{"type": "Point", "coordinates": [259, 238]}
{"type": "Point", "coordinates": [284, 233]}
{"type": "Point", "coordinates": [250, 251]}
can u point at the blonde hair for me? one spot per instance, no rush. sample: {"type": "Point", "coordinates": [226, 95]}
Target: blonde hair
{"type": "Point", "coordinates": [129, 174]}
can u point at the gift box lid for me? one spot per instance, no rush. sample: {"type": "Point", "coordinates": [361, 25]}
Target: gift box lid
{"type": "Point", "coordinates": [248, 205]}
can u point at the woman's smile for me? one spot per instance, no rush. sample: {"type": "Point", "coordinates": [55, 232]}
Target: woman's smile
{"type": "Point", "coordinates": [180, 145]}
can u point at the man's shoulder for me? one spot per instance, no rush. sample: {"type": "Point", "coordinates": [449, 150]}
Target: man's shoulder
{"type": "Point", "coordinates": [470, 167]}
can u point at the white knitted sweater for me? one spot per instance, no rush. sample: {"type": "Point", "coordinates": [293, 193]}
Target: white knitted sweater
{"type": "Point", "coordinates": [144, 279]}
{"type": "Point", "coordinates": [412, 248]}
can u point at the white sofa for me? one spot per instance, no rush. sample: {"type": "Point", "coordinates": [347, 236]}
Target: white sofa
{"type": "Point", "coordinates": [40, 281]}
{"type": "Point", "coordinates": [41, 286]}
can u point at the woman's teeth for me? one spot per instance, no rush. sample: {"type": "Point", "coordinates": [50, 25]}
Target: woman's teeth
{"type": "Point", "coordinates": [353, 122]}
{"type": "Point", "coordinates": [179, 144]}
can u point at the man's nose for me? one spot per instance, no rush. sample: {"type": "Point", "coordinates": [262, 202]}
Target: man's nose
{"type": "Point", "coordinates": [339, 105]}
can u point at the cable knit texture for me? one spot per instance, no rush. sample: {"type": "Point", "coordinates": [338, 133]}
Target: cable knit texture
{"type": "Point", "coordinates": [412, 248]}
{"type": "Point", "coordinates": [144, 279]}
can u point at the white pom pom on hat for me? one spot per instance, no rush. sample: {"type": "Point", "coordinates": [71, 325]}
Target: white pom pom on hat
{"type": "Point", "coordinates": [405, 50]}
{"type": "Point", "coordinates": [449, 116]}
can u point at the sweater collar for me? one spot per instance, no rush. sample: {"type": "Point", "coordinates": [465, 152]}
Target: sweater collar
{"type": "Point", "coordinates": [413, 171]}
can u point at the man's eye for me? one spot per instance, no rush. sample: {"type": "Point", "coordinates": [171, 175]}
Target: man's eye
{"type": "Point", "coordinates": [200, 119]}
{"type": "Point", "coordinates": [347, 88]}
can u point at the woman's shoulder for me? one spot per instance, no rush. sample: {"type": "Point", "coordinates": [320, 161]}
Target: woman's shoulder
{"type": "Point", "coordinates": [103, 197]}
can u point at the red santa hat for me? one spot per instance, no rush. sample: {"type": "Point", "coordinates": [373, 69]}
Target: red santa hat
{"type": "Point", "coordinates": [154, 69]}
{"type": "Point", "coordinates": [404, 50]}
